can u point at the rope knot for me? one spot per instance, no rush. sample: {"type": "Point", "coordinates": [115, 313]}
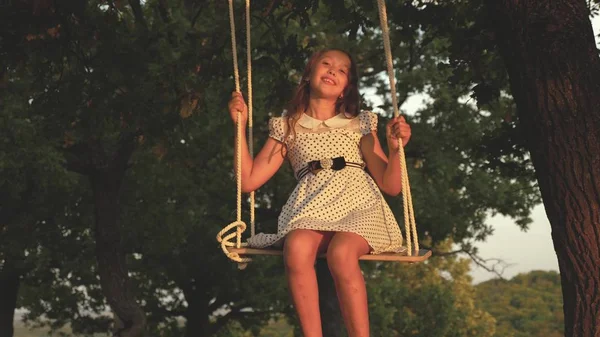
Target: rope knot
{"type": "Point", "coordinates": [226, 238]}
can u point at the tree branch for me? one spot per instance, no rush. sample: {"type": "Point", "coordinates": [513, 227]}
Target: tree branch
{"type": "Point", "coordinates": [218, 303]}
{"type": "Point", "coordinates": [138, 13]}
{"type": "Point", "coordinates": [126, 147]}
{"type": "Point", "coordinates": [163, 9]}
{"type": "Point", "coordinates": [196, 16]}
{"type": "Point", "coordinates": [498, 265]}
{"type": "Point", "coordinates": [161, 312]}
{"type": "Point", "coordinates": [7, 215]}
{"type": "Point", "coordinates": [272, 5]}
{"type": "Point", "coordinates": [111, 4]}
{"type": "Point", "coordinates": [74, 161]}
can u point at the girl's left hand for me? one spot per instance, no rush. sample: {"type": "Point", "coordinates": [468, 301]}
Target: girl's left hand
{"type": "Point", "coordinates": [397, 128]}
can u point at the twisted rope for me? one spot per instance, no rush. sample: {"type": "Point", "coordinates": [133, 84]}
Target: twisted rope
{"type": "Point", "coordinates": [409, 215]}
{"type": "Point", "coordinates": [239, 225]}
{"type": "Point", "coordinates": [250, 123]}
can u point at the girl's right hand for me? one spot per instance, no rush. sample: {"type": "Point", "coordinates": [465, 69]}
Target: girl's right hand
{"type": "Point", "coordinates": [237, 104]}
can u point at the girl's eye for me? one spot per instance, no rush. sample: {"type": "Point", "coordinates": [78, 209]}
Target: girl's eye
{"type": "Point", "coordinates": [342, 71]}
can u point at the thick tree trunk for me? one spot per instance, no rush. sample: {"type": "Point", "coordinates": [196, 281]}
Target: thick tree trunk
{"type": "Point", "coordinates": [554, 69]}
{"type": "Point", "coordinates": [196, 315]}
{"type": "Point", "coordinates": [10, 279]}
{"type": "Point", "coordinates": [331, 316]}
{"type": "Point", "coordinates": [13, 269]}
{"type": "Point", "coordinates": [112, 266]}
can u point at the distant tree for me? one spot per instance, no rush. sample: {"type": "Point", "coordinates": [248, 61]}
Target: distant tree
{"type": "Point", "coordinates": [426, 299]}
{"type": "Point", "coordinates": [528, 305]}
{"type": "Point", "coordinates": [36, 194]}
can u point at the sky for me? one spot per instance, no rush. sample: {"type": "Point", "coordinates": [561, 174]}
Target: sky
{"type": "Point", "coordinates": [521, 251]}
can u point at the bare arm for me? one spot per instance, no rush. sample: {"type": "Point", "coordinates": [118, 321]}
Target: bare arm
{"type": "Point", "coordinates": [385, 170]}
{"type": "Point", "coordinates": [255, 171]}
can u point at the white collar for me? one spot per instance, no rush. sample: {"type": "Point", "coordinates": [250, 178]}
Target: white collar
{"type": "Point", "coordinates": [338, 121]}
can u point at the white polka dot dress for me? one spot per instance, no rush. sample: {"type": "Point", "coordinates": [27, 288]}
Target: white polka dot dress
{"type": "Point", "coordinates": [346, 200]}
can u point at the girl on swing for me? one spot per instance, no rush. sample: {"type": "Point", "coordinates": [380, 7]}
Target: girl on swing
{"type": "Point", "coordinates": [337, 206]}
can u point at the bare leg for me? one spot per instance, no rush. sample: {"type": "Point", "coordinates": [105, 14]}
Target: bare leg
{"type": "Point", "coordinates": [342, 257]}
{"type": "Point", "coordinates": [299, 253]}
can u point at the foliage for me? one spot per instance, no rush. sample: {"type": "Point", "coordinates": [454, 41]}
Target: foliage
{"type": "Point", "coordinates": [528, 305]}
{"type": "Point", "coordinates": [39, 198]}
{"type": "Point", "coordinates": [427, 299]}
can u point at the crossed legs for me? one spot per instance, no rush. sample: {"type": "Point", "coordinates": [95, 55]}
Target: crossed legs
{"type": "Point", "coordinates": [343, 250]}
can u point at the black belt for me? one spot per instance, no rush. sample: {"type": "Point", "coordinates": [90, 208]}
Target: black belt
{"type": "Point", "coordinates": [335, 164]}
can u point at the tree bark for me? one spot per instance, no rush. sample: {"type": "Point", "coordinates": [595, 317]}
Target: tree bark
{"type": "Point", "coordinates": [112, 267]}
{"type": "Point", "coordinates": [331, 316]}
{"type": "Point", "coordinates": [196, 314]}
{"type": "Point", "coordinates": [13, 269]}
{"type": "Point", "coordinates": [10, 279]}
{"type": "Point", "coordinates": [554, 69]}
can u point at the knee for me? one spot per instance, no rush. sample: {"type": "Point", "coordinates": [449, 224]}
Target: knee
{"type": "Point", "coordinates": [299, 253]}
{"type": "Point", "coordinates": [342, 261]}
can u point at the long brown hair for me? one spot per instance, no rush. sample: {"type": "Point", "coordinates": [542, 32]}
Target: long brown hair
{"type": "Point", "coordinates": [348, 104]}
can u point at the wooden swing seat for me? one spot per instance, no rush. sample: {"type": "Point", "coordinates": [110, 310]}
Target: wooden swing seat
{"type": "Point", "coordinates": [423, 255]}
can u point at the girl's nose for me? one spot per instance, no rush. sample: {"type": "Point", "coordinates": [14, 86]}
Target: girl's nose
{"type": "Point", "coordinates": [331, 72]}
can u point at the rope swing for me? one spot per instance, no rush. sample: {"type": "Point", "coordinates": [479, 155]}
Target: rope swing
{"type": "Point", "coordinates": [409, 214]}
{"type": "Point", "coordinates": [239, 225]}
{"type": "Point", "coordinates": [231, 241]}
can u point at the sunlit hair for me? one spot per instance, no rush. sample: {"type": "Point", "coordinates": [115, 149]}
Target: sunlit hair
{"type": "Point", "coordinates": [348, 104]}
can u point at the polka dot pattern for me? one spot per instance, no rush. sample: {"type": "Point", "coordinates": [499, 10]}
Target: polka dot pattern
{"type": "Point", "coordinates": [347, 200]}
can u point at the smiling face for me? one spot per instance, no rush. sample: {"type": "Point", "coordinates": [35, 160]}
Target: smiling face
{"type": "Point", "coordinates": [329, 75]}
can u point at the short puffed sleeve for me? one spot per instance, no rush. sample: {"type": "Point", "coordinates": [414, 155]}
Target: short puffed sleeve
{"type": "Point", "coordinates": [276, 129]}
{"type": "Point", "coordinates": [368, 122]}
